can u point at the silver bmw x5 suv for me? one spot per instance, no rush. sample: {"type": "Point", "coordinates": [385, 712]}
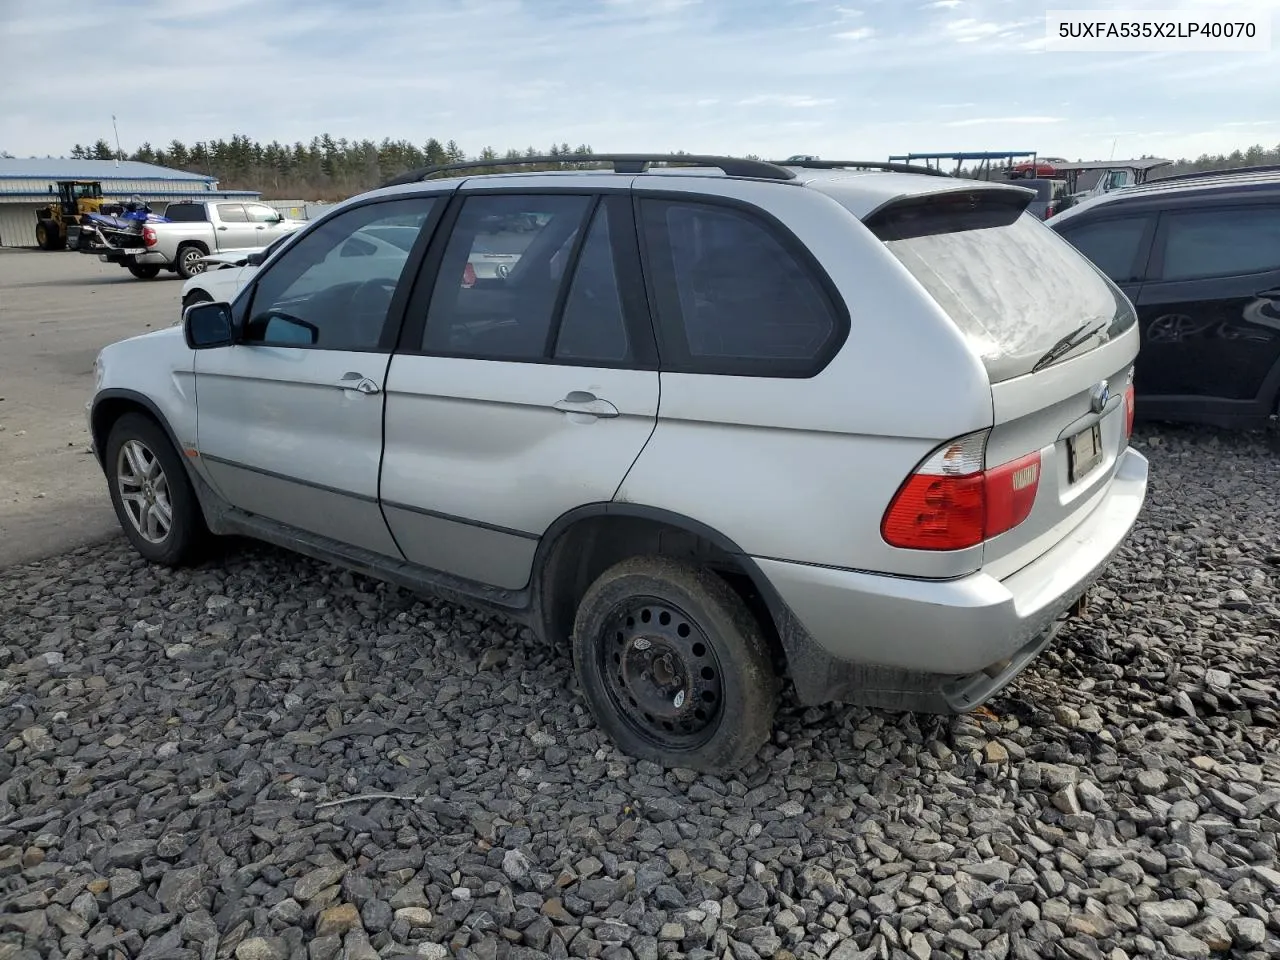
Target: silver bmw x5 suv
{"type": "Point", "coordinates": [716, 424]}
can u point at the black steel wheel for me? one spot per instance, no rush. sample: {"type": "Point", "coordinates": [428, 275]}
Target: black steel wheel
{"type": "Point", "coordinates": [674, 666]}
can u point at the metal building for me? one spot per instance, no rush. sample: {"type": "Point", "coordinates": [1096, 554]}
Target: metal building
{"type": "Point", "coordinates": [28, 184]}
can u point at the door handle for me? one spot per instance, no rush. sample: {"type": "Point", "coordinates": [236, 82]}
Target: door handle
{"type": "Point", "coordinates": [580, 401]}
{"type": "Point", "coordinates": [358, 382]}
{"type": "Point", "coordinates": [222, 228]}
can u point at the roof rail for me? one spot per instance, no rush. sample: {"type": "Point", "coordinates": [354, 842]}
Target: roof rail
{"type": "Point", "coordinates": [619, 162]}
{"type": "Point", "coordinates": [1204, 174]}
{"type": "Point", "coordinates": [865, 165]}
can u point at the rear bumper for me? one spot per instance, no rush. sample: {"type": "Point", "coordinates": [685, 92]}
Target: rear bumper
{"type": "Point", "coordinates": [124, 255]}
{"type": "Point", "coordinates": [954, 629]}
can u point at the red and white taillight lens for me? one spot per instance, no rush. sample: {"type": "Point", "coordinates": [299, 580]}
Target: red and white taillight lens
{"type": "Point", "coordinates": [149, 236]}
{"type": "Point", "coordinates": [953, 500]}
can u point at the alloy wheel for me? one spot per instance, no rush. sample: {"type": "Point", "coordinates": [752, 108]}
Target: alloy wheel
{"type": "Point", "coordinates": [144, 491]}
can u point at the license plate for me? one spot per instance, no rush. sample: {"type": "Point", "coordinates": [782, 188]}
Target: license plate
{"type": "Point", "coordinates": [1084, 452]}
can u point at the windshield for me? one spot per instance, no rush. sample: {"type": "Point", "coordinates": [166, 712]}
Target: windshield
{"type": "Point", "coordinates": [1012, 285]}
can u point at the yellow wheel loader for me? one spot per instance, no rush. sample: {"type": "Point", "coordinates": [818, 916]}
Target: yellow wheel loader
{"type": "Point", "coordinates": [59, 222]}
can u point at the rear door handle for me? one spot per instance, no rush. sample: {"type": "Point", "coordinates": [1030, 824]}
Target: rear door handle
{"type": "Point", "coordinates": [580, 401]}
{"type": "Point", "coordinates": [358, 382]}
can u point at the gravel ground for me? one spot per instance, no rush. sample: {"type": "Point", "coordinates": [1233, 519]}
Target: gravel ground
{"type": "Point", "coordinates": [183, 753]}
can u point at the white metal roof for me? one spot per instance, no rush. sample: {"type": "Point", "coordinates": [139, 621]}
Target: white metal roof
{"type": "Point", "coordinates": [60, 168]}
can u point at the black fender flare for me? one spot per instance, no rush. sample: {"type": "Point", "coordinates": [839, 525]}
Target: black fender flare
{"type": "Point", "coordinates": [142, 400]}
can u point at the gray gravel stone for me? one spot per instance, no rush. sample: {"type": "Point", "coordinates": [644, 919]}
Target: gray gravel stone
{"type": "Point", "coordinates": [177, 738]}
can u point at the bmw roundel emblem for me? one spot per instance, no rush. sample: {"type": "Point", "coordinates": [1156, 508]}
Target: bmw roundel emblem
{"type": "Point", "coordinates": [1099, 396]}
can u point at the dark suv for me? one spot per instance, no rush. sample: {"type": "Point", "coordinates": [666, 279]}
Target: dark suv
{"type": "Point", "coordinates": [1199, 256]}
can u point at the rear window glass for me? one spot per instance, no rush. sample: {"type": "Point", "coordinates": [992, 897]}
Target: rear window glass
{"type": "Point", "coordinates": [1012, 286]}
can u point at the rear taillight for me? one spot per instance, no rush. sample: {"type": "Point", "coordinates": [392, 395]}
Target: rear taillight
{"type": "Point", "coordinates": [1129, 410]}
{"type": "Point", "coordinates": [149, 236]}
{"type": "Point", "coordinates": [953, 501]}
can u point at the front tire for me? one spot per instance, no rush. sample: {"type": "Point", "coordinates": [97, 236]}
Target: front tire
{"type": "Point", "coordinates": [194, 297]}
{"type": "Point", "coordinates": [674, 666]}
{"type": "Point", "coordinates": [48, 236]}
{"type": "Point", "coordinates": [151, 492]}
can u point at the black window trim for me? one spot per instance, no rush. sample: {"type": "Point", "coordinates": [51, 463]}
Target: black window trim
{"type": "Point", "coordinates": [1155, 267]}
{"type": "Point", "coordinates": [669, 329]}
{"type": "Point", "coordinates": [626, 259]}
{"type": "Point", "coordinates": [439, 200]}
{"type": "Point", "coordinates": [1140, 268]}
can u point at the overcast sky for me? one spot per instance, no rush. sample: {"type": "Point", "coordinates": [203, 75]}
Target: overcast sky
{"type": "Point", "coordinates": [857, 78]}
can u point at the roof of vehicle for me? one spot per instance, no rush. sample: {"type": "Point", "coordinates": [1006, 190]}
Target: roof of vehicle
{"type": "Point", "coordinates": [863, 186]}
{"type": "Point", "coordinates": [1217, 184]}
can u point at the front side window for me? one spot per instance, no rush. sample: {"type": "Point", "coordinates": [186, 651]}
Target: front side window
{"type": "Point", "coordinates": [1222, 243]}
{"type": "Point", "coordinates": [731, 294]}
{"type": "Point", "coordinates": [332, 288]}
{"type": "Point", "coordinates": [501, 275]}
{"type": "Point", "coordinates": [1114, 246]}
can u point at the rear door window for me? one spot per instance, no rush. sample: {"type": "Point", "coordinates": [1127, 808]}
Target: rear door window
{"type": "Point", "coordinates": [1223, 242]}
{"type": "Point", "coordinates": [1009, 282]}
{"type": "Point", "coordinates": [1117, 247]}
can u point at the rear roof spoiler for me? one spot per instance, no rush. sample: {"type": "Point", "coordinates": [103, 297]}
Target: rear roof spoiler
{"type": "Point", "coordinates": [946, 211]}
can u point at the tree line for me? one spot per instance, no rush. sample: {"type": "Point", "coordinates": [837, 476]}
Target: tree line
{"type": "Point", "coordinates": [327, 169]}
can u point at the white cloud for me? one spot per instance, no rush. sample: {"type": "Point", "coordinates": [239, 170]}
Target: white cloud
{"type": "Point", "coordinates": [993, 121]}
{"type": "Point", "coordinates": [861, 33]}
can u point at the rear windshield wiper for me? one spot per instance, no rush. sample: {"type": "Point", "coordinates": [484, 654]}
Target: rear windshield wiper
{"type": "Point", "coordinates": [1068, 343]}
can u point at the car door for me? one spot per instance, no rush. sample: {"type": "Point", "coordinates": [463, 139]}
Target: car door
{"type": "Point", "coordinates": [517, 397]}
{"type": "Point", "coordinates": [1118, 244]}
{"type": "Point", "coordinates": [233, 230]}
{"type": "Point", "coordinates": [1210, 309]}
{"type": "Point", "coordinates": [289, 418]}
{"type": "Point", "coordinates": [268, 223]}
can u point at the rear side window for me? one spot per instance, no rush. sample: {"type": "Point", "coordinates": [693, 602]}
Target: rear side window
{"type": "Point", "coordinates": [1011, 285]}
{"type": "Point", "coordinates": [1115, 246]}
{"type": "Point", "coordinates": [1221, 243]}
{"type": "Point", "coordinates": [734, 294]}
{"type": "Point", "coordinates": [232, 213]}
{"type": "Point", "coordinates": [186, 212]}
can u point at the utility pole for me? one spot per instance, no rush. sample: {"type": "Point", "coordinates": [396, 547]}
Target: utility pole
{"type": "Point", "coordinates": [119, 152]}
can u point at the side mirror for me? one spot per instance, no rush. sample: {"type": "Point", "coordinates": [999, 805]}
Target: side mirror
{"type": "Point", "coordinates": [255, 258]}
{"type": "Point", "coordinates": [208, 325]}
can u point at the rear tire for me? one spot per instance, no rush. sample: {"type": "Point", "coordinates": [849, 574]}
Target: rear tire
{"type": "Point", "coordinates": [185, 264]}
{"type": "Point", "coordinates": [674, 666]}
{"type": "Point", "coordinates": [152, 494]}
{"type": "Point", "coordinates": [144, 271]}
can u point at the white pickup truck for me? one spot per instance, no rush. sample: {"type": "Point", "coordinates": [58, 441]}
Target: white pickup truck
{"type": "Point", "coordinates": [195, 229]}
